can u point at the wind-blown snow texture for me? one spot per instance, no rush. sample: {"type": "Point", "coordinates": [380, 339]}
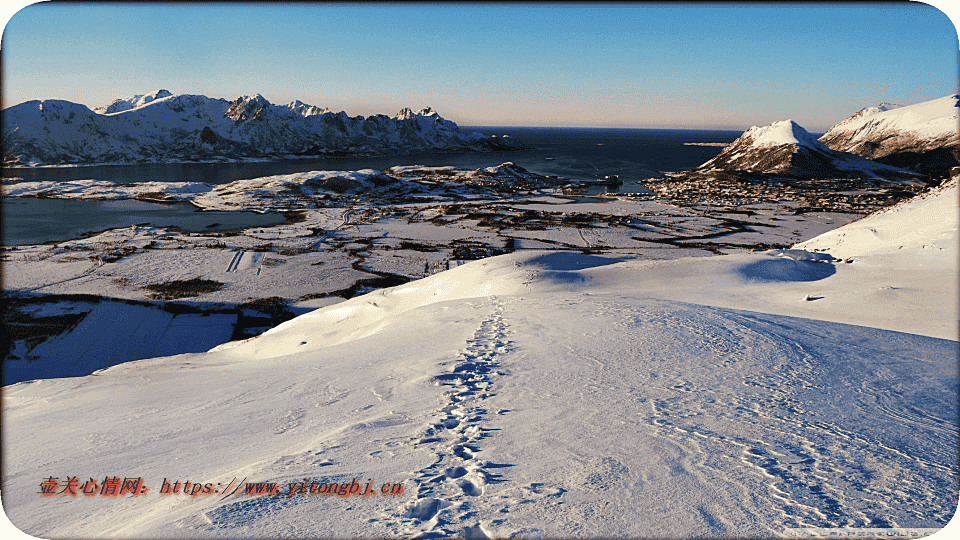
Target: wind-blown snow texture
{"type": "Point", "coordinates": [541, 394]}
{"type": "Point", "coordinates": [166, 127]}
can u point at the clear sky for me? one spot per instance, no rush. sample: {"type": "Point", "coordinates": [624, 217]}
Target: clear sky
{"type": "Point", "coordinates": [709, 66]}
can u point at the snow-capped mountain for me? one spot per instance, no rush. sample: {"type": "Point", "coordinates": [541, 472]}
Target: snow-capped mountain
{"type": "Point", "coordinates": [921, 137]}
{"type": "Point", "coordinates": [784, 148]}
{"type": "Point", "coordinates": [163, 127]}
{"type": "Point", "coordinates": [867, 111]}
{"type": "Point", "coordinates": [132, 102]}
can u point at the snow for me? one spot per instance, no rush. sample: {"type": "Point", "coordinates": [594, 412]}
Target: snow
{"type": "Point", "coordinates": [930, 119]}
{"type": "Point", "coordinates": [780, 133]}
{"type": "Point", "coordinates": [132, 102]}
{"type": "Point", "coordinates": [112, 332]}
{"type": "Point", "coordinates": [544, 394]}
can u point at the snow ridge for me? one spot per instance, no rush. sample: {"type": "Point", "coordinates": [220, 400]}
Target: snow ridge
{"type": "Point", "coordinates": [132, 102]}
{"type": "Point", "coordinates": [889, 131]}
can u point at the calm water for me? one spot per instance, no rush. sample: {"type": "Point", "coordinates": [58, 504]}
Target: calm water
{"type": "Point", "coordinates": [27, 220]}
{"type": "Point", "coordinates": [575, 153]}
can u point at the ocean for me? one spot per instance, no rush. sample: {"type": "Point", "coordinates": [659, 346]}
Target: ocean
{"type": "Point", "coordinates": [574, 153]}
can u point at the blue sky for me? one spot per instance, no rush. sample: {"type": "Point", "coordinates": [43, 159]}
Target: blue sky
{"type": "Point", "coordinates": [709, 66]}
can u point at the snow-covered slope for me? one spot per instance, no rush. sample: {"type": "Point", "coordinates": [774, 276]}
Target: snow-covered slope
{"type": "Point", "coordinates": [920, 136]}
{"type": "Point", "coordinates": [539, 394]}
{"type": "Point", "coordinates": [162, 127]}
{"type": "Point", "coordinates": [856, 118]}
{"type": "Point", "coordinates": [784, 148]}
{"type": "Point", "coordinates": [923, 229]}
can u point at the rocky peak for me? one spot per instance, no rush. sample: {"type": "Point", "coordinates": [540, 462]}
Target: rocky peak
{"type": "Point", "coordinates": [305, 109]}
{"type": "Point", "coordinates": [247, 108]}
{"type": "Point", "coordinates": [405, 114]}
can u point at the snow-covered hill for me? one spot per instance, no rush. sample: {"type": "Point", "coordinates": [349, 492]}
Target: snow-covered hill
{"type": "Point", "coordinates": [922, 136]}
{"type": "Point", "coordinates": [539, 394]}
{"type": "Point", "coordinates": [165, 127]}
{"type": "Point", "coordinates": [784, 148]}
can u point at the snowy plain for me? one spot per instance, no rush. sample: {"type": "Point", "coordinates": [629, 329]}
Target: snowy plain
{"type": "Point", "coordinates": [541, 394]}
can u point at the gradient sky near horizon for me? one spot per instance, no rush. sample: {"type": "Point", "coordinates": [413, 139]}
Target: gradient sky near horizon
{"type": "Point", "coordinates": [701, 66]}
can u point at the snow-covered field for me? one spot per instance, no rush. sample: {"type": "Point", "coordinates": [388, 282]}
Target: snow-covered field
{"type": "Point", "coordinates": [535, 394]}
{"type": "Point", "coordinates": [349, 232]}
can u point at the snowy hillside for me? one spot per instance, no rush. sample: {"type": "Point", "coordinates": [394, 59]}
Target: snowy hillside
{"type": "Point", "coordinates": [856, 118]}
{"type": "Point", "coordinates": [312, 189]}
{"type": "Point", "coordinates": [539, 394]}
{"type": "Point", "coordinates": [920, 136]}
{"type": "Point", "coordinates": [164, 127]}
{"type": "Point", "coordinates": [784, 148]}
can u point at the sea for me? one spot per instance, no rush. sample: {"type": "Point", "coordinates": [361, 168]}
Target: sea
{"type": "Point", "coordinates": [574, 153]}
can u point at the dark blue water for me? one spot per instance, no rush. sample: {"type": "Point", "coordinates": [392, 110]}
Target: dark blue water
{"type": "Point", "coordinates": [28, 220]}
{"type": "Point", "coordinates": [574, 153]}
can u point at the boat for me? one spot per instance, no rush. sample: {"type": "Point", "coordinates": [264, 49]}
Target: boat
{"type": "Point", "coordinates": [612, 180]}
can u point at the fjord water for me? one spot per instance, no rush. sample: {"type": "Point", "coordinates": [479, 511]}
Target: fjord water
{"type": "Point", "coordinates": [28, 220]}
{"type": "Point", "coordinates": [574, 153]}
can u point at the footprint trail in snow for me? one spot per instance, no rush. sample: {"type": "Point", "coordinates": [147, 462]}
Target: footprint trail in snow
{"type": "Point", "coordinates": [445, 493]}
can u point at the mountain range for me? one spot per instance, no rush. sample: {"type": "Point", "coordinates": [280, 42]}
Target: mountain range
{"type": "Point", "coordinates": [166, 127]}
{"type": "Point", "coordinates": [875, 142]}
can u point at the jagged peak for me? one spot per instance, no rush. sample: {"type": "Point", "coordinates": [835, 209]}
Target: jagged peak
{"type": "Point", "coordinates": [256, 98]}
{"type": "Point", "coordinates": [407, 113]}
{"type": "Point", "coordinates": [306, 109]}
{"type": "Point", "coordinates": [247, 108]}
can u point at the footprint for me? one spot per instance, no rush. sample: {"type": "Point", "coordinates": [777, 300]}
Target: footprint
{"type": "Point", "coordinates": [425, 509]}
{"type": "Point", "coordinates": [455, 472]}
{"type": "Point", "coordinates": [464, 452]}
{"type": "Point", "coordinates": [475, 533]}
{"type": "Point", "coordinates": [290, 421]}
{"type": "Point", "coordinates": [469, 488]}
